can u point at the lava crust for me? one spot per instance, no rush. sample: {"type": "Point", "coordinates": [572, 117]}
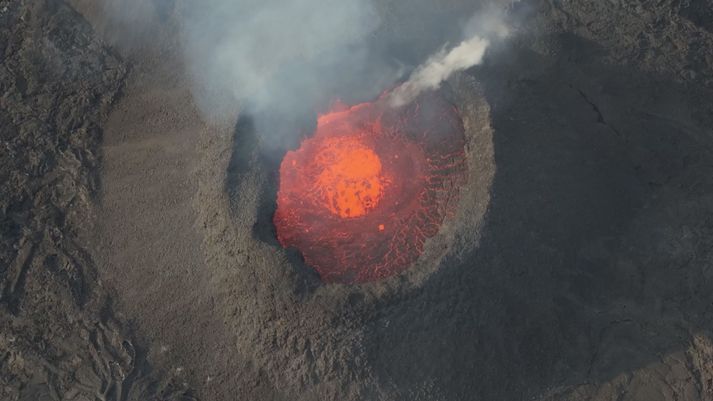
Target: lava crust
{"type": "Point", "coordinates": [361, 196]}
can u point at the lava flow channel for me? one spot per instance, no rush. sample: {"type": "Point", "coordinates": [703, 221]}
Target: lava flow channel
{"type": "Point", "coordinates": [361, 196]}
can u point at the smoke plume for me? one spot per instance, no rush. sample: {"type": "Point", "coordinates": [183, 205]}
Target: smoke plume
{"type": "Point", "coordinates": [469, 53]}
{"type": "Point", "coordinates": [282, 60]}
{"type": "Point", "coordinates": [279, 55]}
{"type": "Point", "coordinates": [439, 67]}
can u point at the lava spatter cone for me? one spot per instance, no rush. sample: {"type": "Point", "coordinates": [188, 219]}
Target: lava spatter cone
{"type": "Point", "coordinates": [361, 196]}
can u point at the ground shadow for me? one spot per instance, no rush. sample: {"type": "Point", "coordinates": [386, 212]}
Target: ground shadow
{"type": "Point", "coordinates": [251, 157]}
{"type": "Point", "coordinates": [576, 278]}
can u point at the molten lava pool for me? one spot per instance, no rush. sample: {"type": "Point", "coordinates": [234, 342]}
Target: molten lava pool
{"type": "Point", "coordinates": [361, 196]}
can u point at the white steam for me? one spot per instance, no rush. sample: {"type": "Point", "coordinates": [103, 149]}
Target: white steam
{"type": "Point", "coordinates": [274, 54]}
{"type": "Point", "coordinates": [438, 68]}
{"type": "Point", "coordinates": [290, 58]}
{"type": "Point", "coordinates": [443, 64]}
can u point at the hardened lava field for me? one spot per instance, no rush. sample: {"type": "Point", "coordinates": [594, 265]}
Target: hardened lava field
{"type": "Point", "coordinates": [360, 197]}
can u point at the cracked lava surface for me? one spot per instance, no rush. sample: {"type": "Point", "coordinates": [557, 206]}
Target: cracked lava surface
{"type": "Point", "coordinates": [361, 196]}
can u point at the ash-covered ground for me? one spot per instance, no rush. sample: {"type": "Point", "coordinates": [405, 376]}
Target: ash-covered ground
{"type": "Point", "coordinates": [138, 259]}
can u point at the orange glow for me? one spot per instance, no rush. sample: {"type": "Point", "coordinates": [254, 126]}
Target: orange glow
{"type": "Point", "coordinates": [350, 179]}
{"type": "Point", "coordinates": [362, 195]}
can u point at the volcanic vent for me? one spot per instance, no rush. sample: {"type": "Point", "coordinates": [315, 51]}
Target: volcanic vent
{"type": "Point", "coordinates": [361, 196]}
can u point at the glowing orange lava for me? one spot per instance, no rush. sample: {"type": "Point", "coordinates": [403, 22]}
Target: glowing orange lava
{"type": "Point", "coordinates": [361, 196]}
{"type": "Point", "coordinates": [350, 181]}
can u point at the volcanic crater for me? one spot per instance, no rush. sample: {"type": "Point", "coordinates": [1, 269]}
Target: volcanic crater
{"type": "Point", "coordinates": [142, 251]}
{"type": "Point", "coordinates": [373, 190]}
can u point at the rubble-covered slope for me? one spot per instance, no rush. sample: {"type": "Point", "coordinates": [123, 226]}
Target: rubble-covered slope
{"type": "Point", "coordinates": [58, 339]}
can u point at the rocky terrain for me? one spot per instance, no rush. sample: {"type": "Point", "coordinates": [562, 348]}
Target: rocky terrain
{"type": "Point", "coordinates": [58, 337]}
{"type": "Point", "coordinates": [138, 260]}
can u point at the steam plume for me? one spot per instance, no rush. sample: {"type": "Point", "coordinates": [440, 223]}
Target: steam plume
{"type": "Point", "coordinates": [282, 56]}
{"type": "Point", "coordinates": [291, 58]}
{"type": "Point", "coordinates": [438, 68]}
{"type": "Point", "coordinates": [487, 25]}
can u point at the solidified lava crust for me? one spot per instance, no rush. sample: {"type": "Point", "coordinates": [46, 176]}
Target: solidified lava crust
{"type": "Point", "coordinates": [361, 196]}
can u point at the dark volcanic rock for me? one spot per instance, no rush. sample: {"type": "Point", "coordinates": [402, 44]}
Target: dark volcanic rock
{"type": "Point", "coordinates": [58, 339]}
{"type": "Point", "coordinates": [579, 265]}
{"type": "Point", "coordinates": [591, 279]}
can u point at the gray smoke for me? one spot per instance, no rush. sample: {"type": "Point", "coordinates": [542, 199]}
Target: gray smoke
{"type": "Point", "coordinates": [280, 59]}
{"type": "Point", "coordinates": [276, 54]}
